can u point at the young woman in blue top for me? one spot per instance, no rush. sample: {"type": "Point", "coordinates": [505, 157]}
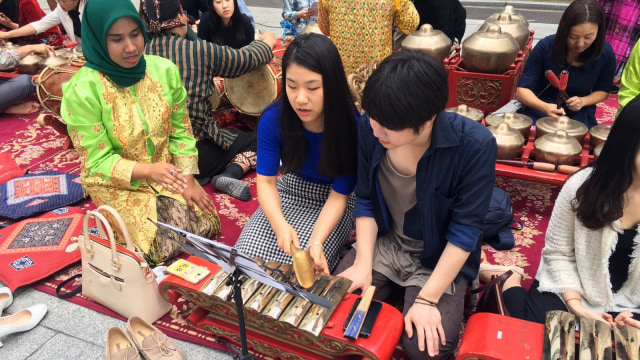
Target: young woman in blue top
{"type": "Point", "coordinates": [580, 48]}
{"type": "Point", "coordinates": [224, 24]}
{"type": "Point", "coordinates": [312, 129]}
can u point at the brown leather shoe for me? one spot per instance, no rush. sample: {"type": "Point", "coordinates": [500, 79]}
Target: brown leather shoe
{"type": "Point", "coordinates": [152, 343]}
{"type": "Point", "coordinates": [119, 346]}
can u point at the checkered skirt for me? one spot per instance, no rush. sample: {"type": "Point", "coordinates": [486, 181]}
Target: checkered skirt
{"type": "Point", "coordinates": [302, 202]}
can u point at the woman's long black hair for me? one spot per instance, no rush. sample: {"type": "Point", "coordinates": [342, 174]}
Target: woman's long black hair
{"type": "Point", "coordinates": [216, 25]}
{"type": "Point", "coordinates": [601, 198]}
{"type": "Point", "coordinates": [338, 156]}
{"type": "Point", "coordinates": [579, 12]}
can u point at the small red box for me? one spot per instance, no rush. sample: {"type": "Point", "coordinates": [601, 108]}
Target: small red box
{"type": "Point", "coordinates": [496, 337]}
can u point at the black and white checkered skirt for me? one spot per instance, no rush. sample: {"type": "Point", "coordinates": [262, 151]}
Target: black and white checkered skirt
{"type": "Point", "coordinates": [302, 202]}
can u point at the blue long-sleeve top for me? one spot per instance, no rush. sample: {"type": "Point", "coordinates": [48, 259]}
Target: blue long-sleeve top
{"type": "Point", "coordinates": [454, 182]}
{"type": "Point", "coordinates": [583, 80]}
{"type": "Point", "coordinates": [270, 147]}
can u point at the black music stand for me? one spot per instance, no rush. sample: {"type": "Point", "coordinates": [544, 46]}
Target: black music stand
{"type": "Point", "coordinates": [233, 261]}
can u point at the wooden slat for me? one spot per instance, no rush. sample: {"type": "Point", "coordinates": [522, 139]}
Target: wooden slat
{"type": "Point", "coordinates": [627, 340]}
{"type": "Point", "coordinates": [595, 340]}
{"type": "Point", "coordinates": [559, 339]}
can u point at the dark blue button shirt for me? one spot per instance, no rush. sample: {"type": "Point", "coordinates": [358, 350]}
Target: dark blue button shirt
{"type": "Point", "coordinates": [583, 80]}
{"type": "Point", "coordinates": [454, 181]}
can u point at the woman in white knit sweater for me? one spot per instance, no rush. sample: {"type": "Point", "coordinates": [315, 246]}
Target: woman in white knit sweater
{"type": "Point", "coordinates": [589, 264]}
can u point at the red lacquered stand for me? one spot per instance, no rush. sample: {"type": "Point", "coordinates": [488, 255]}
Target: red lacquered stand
{"type": "Point", "coordinates": [546, 177]}
{"type": "Point", "coordinates": [487, 92]}
{"type": "Point", "coordinates": [280, 340]}
{"type": "Point", "coordinates": [495, 337]}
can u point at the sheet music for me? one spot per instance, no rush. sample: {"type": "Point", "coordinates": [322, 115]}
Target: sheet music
{"type": "Point", "coordinates": [220, 254]}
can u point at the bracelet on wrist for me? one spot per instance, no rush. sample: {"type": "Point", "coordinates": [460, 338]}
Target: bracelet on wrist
{"type": "Point", "coordinates": [420, 302]}
{"type": "Point", "coordinates": [574, 298]}
{"type": "Point", "coordinates": [432, 303]}
{"type": "Point", "coordinates": [314, 244]}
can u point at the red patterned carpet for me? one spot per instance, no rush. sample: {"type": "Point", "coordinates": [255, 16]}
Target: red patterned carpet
{"type": "Point", "coordinates": [35, 147]}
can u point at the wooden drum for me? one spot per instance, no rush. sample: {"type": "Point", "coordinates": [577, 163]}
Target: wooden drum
{"type": "Point", "coordinates": [49, 84]}
{"type": "Point", "coordinates": [219, 97]}
{"type": "Point", "coordinates": [252, 92]}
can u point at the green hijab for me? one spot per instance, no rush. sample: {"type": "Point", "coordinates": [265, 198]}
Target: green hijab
{"type": "Point", "coordinates": [97, 18]}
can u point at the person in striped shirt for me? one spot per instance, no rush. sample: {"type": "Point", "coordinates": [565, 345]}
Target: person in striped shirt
{"type": "Point", "coordinates": [223, 154]}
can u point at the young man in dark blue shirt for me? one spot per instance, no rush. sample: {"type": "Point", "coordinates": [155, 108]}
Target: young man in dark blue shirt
{"type": "Point", "coordinates": [425, 178]}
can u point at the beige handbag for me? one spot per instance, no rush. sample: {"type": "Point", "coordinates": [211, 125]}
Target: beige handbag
{"type": "Point", "coordinates": [116, 276]}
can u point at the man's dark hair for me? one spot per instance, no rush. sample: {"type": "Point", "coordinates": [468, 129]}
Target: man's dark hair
{"type": "Point", "coordinates": [406, 90]}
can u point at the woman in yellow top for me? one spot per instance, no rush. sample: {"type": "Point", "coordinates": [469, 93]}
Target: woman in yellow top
{"type": "Point", "coordinates": [363, 30]}
{"type": "Point", "coordinates": [126, 115]}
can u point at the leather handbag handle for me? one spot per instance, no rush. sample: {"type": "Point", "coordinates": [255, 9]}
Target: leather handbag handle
{"type": "Point", "coordinates": [120, 221]}
{"type": "Point", "coordinates": [101, 221]}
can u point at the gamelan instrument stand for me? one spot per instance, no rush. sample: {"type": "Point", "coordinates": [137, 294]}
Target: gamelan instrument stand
{"type": "Point", "coordinates": [498, 337]}
{"type": "Point", "coordinates": [279, 320]}
{"type": "Point", "coordinates": [237, 298]}
{"type": "Point", "coordinates": [270, 310]}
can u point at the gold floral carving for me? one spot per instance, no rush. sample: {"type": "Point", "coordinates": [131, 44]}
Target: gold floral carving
{"type": "Point", "coordinates": [477, 92]}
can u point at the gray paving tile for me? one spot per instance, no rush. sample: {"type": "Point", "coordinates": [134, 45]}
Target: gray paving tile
{"type": "Point", "coordinates": [66, 347]}
{"type": "Point", "coordinates": [20, 346]}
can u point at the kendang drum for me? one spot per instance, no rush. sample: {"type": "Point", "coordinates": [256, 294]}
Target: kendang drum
{"type": "Point", "coordinates": [49, 84]}
{"type": "Point", "coordinates": [252, 92]}
{"type": "Point", "coordinates": [219, 97]}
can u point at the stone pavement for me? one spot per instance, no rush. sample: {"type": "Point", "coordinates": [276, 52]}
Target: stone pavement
{"type": "Point", "coordinates": [70, 331]}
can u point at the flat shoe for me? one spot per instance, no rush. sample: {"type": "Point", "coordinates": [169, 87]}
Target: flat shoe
{"type": "Point", "coordinates": [501, 268]}
{"type": "Point", "coordinates": [152, 343]}
{"type": "Point", "coordinates": [23, 320]}
{"type": "Point", "coordinates": [6, 298]}
{"type": "Point", "coordinates": [119, 346]}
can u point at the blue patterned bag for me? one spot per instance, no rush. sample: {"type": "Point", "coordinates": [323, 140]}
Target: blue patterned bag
{"type": "Point", "coordinates": [38, 192]}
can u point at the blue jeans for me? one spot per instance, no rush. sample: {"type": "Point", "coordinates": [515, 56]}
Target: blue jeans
{"type": "Point", "coordinates": [14, 90]}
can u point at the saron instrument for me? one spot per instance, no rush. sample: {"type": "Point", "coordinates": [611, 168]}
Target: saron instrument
{"type": "Point", "coordinates": [496, 337]}
{"type": "Point", "coordinates": [280, 325]}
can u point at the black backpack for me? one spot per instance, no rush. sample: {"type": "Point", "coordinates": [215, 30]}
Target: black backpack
{"type": "Point", "coordinates": [499, 221]}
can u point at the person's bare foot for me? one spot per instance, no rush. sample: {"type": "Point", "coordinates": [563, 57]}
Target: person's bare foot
{"type": "Point", "coordinates": [27, 107]}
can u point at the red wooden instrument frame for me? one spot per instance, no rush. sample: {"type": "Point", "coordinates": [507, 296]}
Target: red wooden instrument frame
{"type": "Point", "coordinates": [380, 345]}
{"type": "Point", "coordinates": [546, 177]}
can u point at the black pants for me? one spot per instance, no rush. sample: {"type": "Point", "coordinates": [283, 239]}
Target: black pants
{"type": "Point", "coordinates": [533, 305]}
{"type": "Point", "coordinates": [212, 159]}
